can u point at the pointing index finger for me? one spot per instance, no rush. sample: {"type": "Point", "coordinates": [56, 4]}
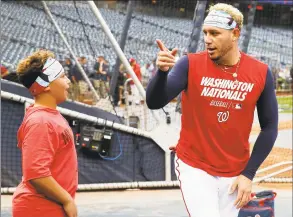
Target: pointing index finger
{"type": "Point", "coordinates": [161, 45]}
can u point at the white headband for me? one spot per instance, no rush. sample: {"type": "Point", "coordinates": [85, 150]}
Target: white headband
{"type": "Point", "coordinates": [50, 72]}
{"type": "Point", "coordinates": [220, 19]}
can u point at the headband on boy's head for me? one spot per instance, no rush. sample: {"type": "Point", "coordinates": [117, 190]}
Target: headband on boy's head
{"type": "Point", "coordinates": [50, 72]}
{"type": "Point", "coordinates": [220, 19]}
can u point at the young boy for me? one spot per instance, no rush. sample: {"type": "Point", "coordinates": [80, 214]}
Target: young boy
{"type": "Point", "coordinates": [49, 160]}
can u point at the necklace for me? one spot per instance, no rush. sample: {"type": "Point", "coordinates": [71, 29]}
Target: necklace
{"type": "Point", "coordinates": [234, 74]}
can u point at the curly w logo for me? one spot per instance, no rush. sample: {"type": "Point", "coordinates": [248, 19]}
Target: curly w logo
{"type": "Point", "coordinates": [223, 116]}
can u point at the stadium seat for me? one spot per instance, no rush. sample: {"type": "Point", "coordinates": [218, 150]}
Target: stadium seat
{"type": "Point", "coordinates": [28, 27]}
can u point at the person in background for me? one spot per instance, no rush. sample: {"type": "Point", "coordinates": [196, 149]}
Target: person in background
{"type": "Point", "coordinates": [79, 84]}
{"type": "Point", "coordinates": [135, 96]}
{"type": "Point", "coordinates": [146, 74]}
{"type": "Point", "coordinates": [100, 81]}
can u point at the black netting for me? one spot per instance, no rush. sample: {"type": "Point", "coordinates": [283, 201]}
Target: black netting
{"type": "Point", "coordinates": [25, 27]}
{"type": "Point", "coordinates": [11, 118]}
{"type": "Point", "coordinates": [140, 159]}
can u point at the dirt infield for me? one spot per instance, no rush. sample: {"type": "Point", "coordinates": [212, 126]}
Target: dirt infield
{"type": "Point", "coordinates": [276, 156]}
{"type": "Point", "coordinates": [274, 186]}
{"type": "Point", "coordinates": [284, 93]}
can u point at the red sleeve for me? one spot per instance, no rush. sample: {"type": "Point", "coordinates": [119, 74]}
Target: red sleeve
{"type": "Point", "coordinates": [38, 148]}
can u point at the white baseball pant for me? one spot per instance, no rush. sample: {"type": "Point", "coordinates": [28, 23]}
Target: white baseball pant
{"type": "Point", "coordinates": [205, 195]}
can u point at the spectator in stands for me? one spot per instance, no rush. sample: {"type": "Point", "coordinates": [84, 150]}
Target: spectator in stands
{"type": "Point", "coordinates": [101, 79]}
{"type": "Point", "coordinates": [135, 96]}
{"type": "Point", "coordinates": [49, 160]}
{"type": "Point", "coordinates": [212, 154]}
{"type": "Point", "coordinates": [80, 86]}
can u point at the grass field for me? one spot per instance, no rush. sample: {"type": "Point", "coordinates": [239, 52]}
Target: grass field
{"type": "Point", "coordinates": [285, 103]}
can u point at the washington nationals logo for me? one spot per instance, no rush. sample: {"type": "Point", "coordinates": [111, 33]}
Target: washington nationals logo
{"type": "Point", "coordinates": [223, 116]}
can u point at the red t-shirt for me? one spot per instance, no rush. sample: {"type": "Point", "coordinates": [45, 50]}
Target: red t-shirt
{"type": "Point", "coordinates": [216, 141]}
{"type": "Point", "coordinates": [47, 145]}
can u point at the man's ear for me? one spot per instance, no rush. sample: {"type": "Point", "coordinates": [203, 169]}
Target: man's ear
{"type": "Point", "coordinates": [236, 34]}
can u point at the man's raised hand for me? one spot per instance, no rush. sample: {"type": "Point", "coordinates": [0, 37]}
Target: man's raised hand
{"type": "Point", "coordinates": [165, 58]}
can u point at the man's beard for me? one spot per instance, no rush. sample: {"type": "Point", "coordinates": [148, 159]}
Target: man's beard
{"type": "Point", "coordinates": [222, 54]}
{"type": "Point", "coordinates": [216, 59]}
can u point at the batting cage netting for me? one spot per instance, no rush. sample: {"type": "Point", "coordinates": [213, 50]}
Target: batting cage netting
{"type": "Point", "coordinates": [105, 89]}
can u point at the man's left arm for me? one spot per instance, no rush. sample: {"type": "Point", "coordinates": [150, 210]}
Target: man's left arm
{"type": "Point", "coordinates": [267, 108]}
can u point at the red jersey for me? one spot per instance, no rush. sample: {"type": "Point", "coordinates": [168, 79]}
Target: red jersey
{"type": "Point", "coordinates": [47, 145]}
{"type": "Point", "coordinates": [136, 69]}
{"type": "Point", "coordinates": [217, 114]}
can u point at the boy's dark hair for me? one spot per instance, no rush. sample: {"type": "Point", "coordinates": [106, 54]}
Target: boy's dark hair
{"type": "Point", "coordinates": [30, 67]}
